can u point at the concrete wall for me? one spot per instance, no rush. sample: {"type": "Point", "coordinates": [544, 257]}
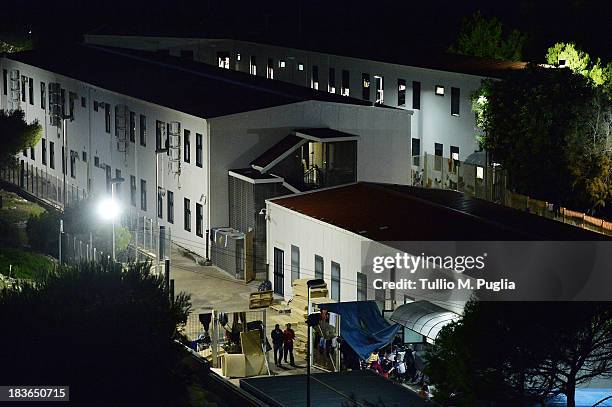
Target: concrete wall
{"type": "Point", "coordinates": [432, 123]}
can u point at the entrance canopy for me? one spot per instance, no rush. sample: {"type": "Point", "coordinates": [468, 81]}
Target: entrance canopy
{"type": "Point", "coordinates": [362, 326]}
{"type": "Point", "coordinates": [424, 318]}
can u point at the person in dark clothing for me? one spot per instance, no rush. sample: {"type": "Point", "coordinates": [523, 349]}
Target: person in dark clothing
{"type": "Point", "coordinates": [288, 336]}
{"type": "Point", "coordinates": [277, 343]}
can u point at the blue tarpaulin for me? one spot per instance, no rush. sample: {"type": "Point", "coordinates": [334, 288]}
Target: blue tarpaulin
{"type": "Point", "coordinates": [362, 326]}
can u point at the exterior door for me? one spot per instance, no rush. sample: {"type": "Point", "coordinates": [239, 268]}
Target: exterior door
{"type": "Point", "coordinates": [279, 271]}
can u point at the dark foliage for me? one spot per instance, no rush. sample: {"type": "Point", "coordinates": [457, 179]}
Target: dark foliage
{"type": "Point", "coordinates": [106, 333]}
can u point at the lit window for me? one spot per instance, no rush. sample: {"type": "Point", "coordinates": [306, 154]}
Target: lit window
{"type": "Point", "coordinates": [479, 172]}
{"type": "Point", "coordinates": [439, 90]}
{"type": "Point", "coordinates": [238, 56]}
{"type": "Point", "coordinates": [281, 64]}
{"type": "Point", "coordinates": [253, 66]}
{"type": "Point", "coordinates": [300, 67]}
{"type": "Point", "coordinates": [378, 82]}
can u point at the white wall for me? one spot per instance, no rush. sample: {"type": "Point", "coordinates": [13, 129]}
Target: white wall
{"type": "Point", "coordinates": [432, 122]}
{"type": "Point", "coordinates": [87, 134]}
{"type": "Point", "coordinates": [383, 148]}
{"type": "Point", "coordinates": [286, 228]}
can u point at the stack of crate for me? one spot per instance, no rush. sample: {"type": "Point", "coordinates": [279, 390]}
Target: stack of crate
{"type": "Point", "coordinates": [299, 313]}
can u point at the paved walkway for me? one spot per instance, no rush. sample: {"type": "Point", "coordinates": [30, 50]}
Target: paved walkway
{"type": "Point", "coordinates": [212, 288]}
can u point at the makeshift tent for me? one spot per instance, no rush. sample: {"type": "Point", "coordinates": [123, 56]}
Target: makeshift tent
{"type": "Point", "coordinates": [362, 326]}
{"type": "Point", "coordinates": [423, 317]}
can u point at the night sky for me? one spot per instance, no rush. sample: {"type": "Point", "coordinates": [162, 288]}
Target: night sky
{"type": "Point", "coordinates": [412, 25]}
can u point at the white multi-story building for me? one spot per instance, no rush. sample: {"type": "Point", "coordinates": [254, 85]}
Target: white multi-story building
{"type": "Point", "coordinates": [179, 127]}
{"type": "Point", "coordinates": [437, 88]}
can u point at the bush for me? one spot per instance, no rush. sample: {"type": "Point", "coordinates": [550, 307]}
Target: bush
{"type": "Point", "coordinates": [43, 231]}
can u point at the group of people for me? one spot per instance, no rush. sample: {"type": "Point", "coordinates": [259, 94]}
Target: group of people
{"type": "Point", "coordinates": [282, 342]}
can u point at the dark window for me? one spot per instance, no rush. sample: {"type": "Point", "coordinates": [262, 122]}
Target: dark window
{"type": "Point", "coordinates": [132, 127]}
{"type": "Point", "coordinates": [95, 106]}
{"type": "Point", "coordinates": [159, 130]}
{"type": "Point", "coordinates": [143, 195]}
{"type": "Point", "coordinates": [187, 214]}
{"type": "Point", "coordinates": [107, 117]}
{"type": "Point", "coordinates": [83, 101]}
{"type": "Point", "coordinates": [314, 82]}
{"type": "Point", "coordinates": [199, 219]}
{"type": "Point", "coordinates": [71, 98]}
{"type": "Point", "coordinates": [63, 160]}
{"type": "Point", "coordinates": [319, 267]}
{"type": "Point", "coordinates": [416, 95]}
{"type": "Point", "coordinates": [31, 90]}
{"type": "Point", "coordinates": [295, 263]}
{"type": "Point", "coordinates": [416, 151]}
{"type": "Point", "coordinates": [187, 146]}
{"type": "Point", "coordinates": [170, 207]}
{"type": "Point", "coordinates": [24, 82]}
{"type": "Point", "coordinates": [109, 177]}
{"type": "Point", "coordinates": [84, 156]}
{"type": "Point", "coordinates": [401, 92]}
{"type": "Point", "coordinates": [44, 151]}
{"type": "Point", "coordinates": [455, 94]}
{"type": "Point", "coordinates": [32, 153]}
{"type": "Point", "coordinates": [270, 69]}
{"type": "Point", "coordinates": [365, 85]}
{"type": "Point", "coordinates": [438, 156]}
{"type": "Point", "coordinates": [43, 95]}
{"type": "Point", "coordinates": [199, 150]}
{"type": "Point", "coordinates": [346, 82]}
{"type": "Point", "coordinates": [438, 149]}
{"type": "Point", "coordinates": [160, 203]}
{"type": "Point", "coordinates": [63, 101]}
{"type": "Point", "coordinates": [73, 163]}
{"type": "Point", "coordinates": [52, 155]}
{"type": "Point", "coordinates": [118, 184]}
{"type": "Point", "coordinates": [335, 281]}
{"type": "Point", "coordinates": [331, 81]}
{"type": "Point", "coordinates": [133, 190]}
{"type": "Point", "coordinates": [143, 130]}
{"type": "Point", "coordinates": [5, 80]}
{"type": "Point", "coordinates": [362, 286]}
{"type": "Point", "coordinates": [186, 54]}
{"type": "Point", "coordinates": [96, 161]}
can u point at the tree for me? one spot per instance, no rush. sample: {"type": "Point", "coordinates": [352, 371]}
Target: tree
{"type": "Point", "coordinates": [570, 56]}
{"type": "Point", "coordinates": [550, 130]}
{"type": "Point", "coordinates": [513, 353]}
{"type": "Point", "coordinates": [16, 135]}
{"type": "Point", "coordinates": [482, 37]}
{"type": "Point", "coordinates": [106, 332]}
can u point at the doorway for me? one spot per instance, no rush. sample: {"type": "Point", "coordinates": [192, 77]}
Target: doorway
{"type": "Point", "coordinates": [279, 271]}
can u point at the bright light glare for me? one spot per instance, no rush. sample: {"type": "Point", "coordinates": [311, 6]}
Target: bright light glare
{"type": "Point", "coordinates": [109, 209]}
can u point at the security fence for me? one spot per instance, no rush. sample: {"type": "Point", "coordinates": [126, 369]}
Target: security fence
{"type": "Point", "coordinates": [489, 182]}
{"type": "Point", "coordinates": [43, 185]}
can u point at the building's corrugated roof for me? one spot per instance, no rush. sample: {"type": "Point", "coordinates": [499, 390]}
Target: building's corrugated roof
{"type": "Point", "coordinates": [389, 212]}
{"type": "Point", "coordinates": [409, 56]}
{"type": "Point", "coordinates": [187, 86]}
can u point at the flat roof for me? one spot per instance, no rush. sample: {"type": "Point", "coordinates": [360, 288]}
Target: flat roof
{"type": "Point", "coordinates": [253, 176]}
{"type": "Point", "coordinates": [420, 58]}
{"type": "Point", "coordinates": [198, 89]}
{"type": "Point", "coordinates": [391, 212]}
{"type": "Point", "coordinates": [332, 390]}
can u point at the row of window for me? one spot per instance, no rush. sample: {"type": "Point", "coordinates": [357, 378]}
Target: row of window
{"type": "Point", "coordinates": [223, 60]}
{"type": "Point", "coordinates": [438, 150]}
{"type": "Point", "coordinates": [319, 270]}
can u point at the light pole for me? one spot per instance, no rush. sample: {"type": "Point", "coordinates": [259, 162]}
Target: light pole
{"type": "Point", "coordinates": [109, 209]}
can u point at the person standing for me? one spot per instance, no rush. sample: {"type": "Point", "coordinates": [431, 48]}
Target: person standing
{"type": "Point", "coordinates": [288, 336]}
{"type": "Point", "coordinates": [277, 343]}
